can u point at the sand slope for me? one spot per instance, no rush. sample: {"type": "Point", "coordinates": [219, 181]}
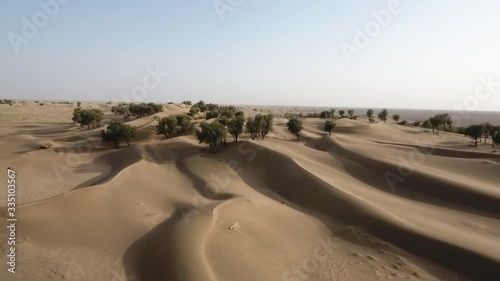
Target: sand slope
{"type": "Point", "coordinates": [316, 209]}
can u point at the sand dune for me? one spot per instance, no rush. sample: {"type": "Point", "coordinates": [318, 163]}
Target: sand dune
{"type": "Point", "coordinates": [279, 209]}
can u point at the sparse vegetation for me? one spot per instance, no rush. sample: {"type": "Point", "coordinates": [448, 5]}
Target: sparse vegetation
{"type": "Point", "coordinates": [329, 126]}
{"type": "Point", "coordinates": [172, 125]}
{"type": "Point", "coordinates": [370, 113]}
{"type": "Point", "coordinates": [396, 118]}
{"type": "Point", "coordinates": [78, 104]}
{"type": "Point", "coordinates": [88, 117]}
{"type": "Point", "coordinates": [235, 125]}
{"type": "Point", "coordinates": [212, 134]}
{"type": "Point", "coordinates": [118, 131]}
{"type": "Point", "coordinates": [120, 110]}
{"type": "Point", "coordinates": [474, 132]}
{"type": "Point", "coordinates": [294, 125]}
{"type": "Point", "coordinates": [382, 115]}
{"type": "Point", "coordinates": [143, 109]}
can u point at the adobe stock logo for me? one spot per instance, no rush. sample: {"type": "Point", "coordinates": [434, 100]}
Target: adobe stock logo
{"type": "Point", "coordinates": [363, 37]}
{"type": "Point", "coordinates": [30, 28]}
{"type": "Point", "coordinates": [224, 6]}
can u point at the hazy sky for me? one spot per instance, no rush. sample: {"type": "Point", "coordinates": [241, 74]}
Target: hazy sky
{"type": "Point", "coordinates": [429, 54]}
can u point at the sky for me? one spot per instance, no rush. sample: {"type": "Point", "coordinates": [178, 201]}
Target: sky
{"type": "Point", "coordinates": [421, 54]}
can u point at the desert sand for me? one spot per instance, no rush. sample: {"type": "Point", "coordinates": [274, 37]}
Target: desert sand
{"type": "Point", "coordinates": [275, 209]}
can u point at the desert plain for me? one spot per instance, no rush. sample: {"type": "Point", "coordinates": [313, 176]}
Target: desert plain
{"type": "Point", "coordinates": [371, 201]}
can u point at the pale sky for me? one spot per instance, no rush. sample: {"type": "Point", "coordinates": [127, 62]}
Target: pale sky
{"type": "Point", "coordinates": [430, 54]}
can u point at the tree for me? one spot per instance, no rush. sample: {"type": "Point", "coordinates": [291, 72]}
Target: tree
{"type": "Point", "coordinates": [235, 126]}
{"type": "Point", "coordinates": [496, 137]}
{"type": "Point", "coordinates": [474, 132]}
{"type": "Point", "coordinates": [252, 127]}
{"type": "Point", "coordinates": [294, 125]}
{"type": "Point", "coordinates": [382, 115]}
{"type": "Point", "coordinates": [435, 122]}
{"type": "Point", "coordinates": [167, 126]}
{"type": "Point", "coordinates": [188, 103]}
{"type": "Point", "coordinates": [395, 117]}
{"type": "Point", "coordinates": [118, 131]}
{"type": "Point", "coordinates": [350, 112]}
{"type": "Point", "coordinates": [329, 126]}
{"type": "Point", "coordinates": [488, 130]}
{"type": "Point", "coordinates": [78, 104]}
{"type": "Point", "coordinates": [194, 110]}
{"type": "Point", "coordinates": [324, 114]}
{"type": "Point", "coordinates": [88, 117]}
{"type": "Point", "coordinates": [201, 105]}
{"type": "Point", "coordinates": [211, 134]}
{"type": "Point", "coordinates": [77, 115]}
{"type": "Point", "coordinates": [369, 113]}
{"type": "Point", "coordinates": [183, 121]}
{"type": "Point", "coordinates": [341, 112]}
{"type": "Point", "coordinates": [265, 123]}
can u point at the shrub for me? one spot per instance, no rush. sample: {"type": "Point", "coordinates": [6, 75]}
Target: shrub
{"type": "Point", "coordinates": [382, 115]}
{"type": "Point", "coordinates": [329, 126]}
{"type": "Point", "coordinates": [294, 125]}
{"type": "Point", "coordinates": [212, 134]}
{"type": "Point", "coordinates": [118, 131]}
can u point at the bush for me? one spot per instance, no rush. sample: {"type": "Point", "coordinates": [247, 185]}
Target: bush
{"type": "Point", "coordinates": [212, 134]}
{"type": "Point", "coordinates": [329, 126]}
{"type": "Point", "coordinates": [172, 125]}
{"type": "Point", "coordinates": [294, 125]}
{"type": "Point", "coordinates": [88, 117]}
{"type": "Point", "coordinates": [118, 131]}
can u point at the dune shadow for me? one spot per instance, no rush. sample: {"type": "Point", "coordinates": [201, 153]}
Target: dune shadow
{"type": "Point", "coordinates": [314, 196]}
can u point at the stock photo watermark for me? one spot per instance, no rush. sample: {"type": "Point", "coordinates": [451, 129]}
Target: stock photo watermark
{"type": "Point", "coordinates": [150, 82]}
{"type": "Point", "coordinates": [487, 86]}
{"type": "Point", "coordinates": [221, 7]}
{"type": "Point", "coordinates": [32, 25]}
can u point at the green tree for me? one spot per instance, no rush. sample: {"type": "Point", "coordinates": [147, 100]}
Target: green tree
{"type": "Point", "coordinates": [488, 130]}
{"type": "Point", "coordinates": [370, 113]}
{"type": "Point", "coordinates": [435, 122]}
{"type": "Point", "coordinates": [194, 111]}
{"type": "Point", "coordinates": [396, 117]}
{"type": "Point", "coordinates": [252, 127]}
{"type": "Point", "coordinates": [474, 132]}
{"type": "Point", "coordinates": [183, 121]}
{"type": "Point", "coordinates": [235, 126]}
{"type": "Point", "coordinates": [167, 126]}
{"type": "Point", "coordinates": [332, 113]}
{"type": "Point", "coordinates": [324, 114]}
{"type": "Point", "coordinates": [341, 112]}
{"type": "Point", "coordinates": [382, 115]}
{"type": "Point", "coordinates": [78, 104]}
{"type": "Point", "coordinates": [265, 123]}
{"type": "Point", "coordinates": [350, 112]}
{"type": "Point", "coordinates": [329, 126]}
{"type": "Point", "coordinates": [294, 125]}
{"type": "Point", "coordinates": [118, 131]}
{"type": "Point", "coordinates": [212, 134]}
{"type": "Point", "coordinates": [201, 105]}
{"type": "Point", "coordinates": [496, 137]}
{"type": "Point", "coordinates": [77, 115]}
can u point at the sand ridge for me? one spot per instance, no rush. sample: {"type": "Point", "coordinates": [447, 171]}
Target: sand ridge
{"type": "Point", "coordinates": [278, 209]}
